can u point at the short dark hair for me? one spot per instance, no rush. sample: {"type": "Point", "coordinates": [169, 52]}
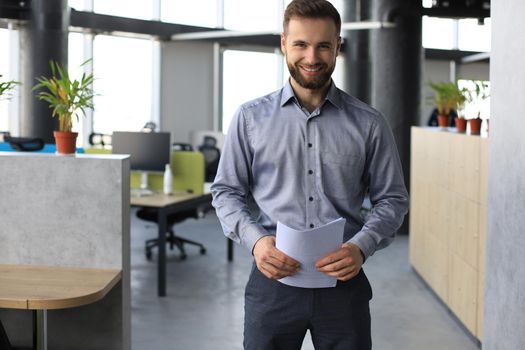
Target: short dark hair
{"type": "Point", "coordinates": [311, 9]}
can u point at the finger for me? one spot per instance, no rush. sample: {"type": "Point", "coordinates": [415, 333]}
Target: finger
{"type": "Point", "coordinates": [282, 265]}
{"type": "Point", "coordinates": [272, 272]}
{"type": "Point", "coordinates": [283, 258]}
{"type": "Point", "coordinates": [331, 258]}
{"type": "Point", "coordinates": [341, 272]}
{"type": "Point", "coordinates": [348, 276]}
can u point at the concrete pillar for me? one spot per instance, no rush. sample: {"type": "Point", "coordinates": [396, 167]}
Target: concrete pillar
{"type": "Point", "coordinates": [505, 261]}
{"type": "Point", "coordinates": [44, 38]}
{"type": "Point", "coordinates": [357, 52]}
{"type": "Point", "coordinates": [396, 55]}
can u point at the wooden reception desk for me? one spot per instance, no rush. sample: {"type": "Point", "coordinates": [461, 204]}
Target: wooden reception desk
{"type": "Point", "coordinates": [448, 219]}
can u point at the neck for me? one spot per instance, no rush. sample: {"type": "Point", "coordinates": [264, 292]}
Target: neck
{"type": "Point", "coordinates": [311, 99]}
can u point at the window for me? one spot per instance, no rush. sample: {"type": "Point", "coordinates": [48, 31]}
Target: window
{"type": "Point", "coordinates": [123, 69]}
{"type": "Point", "coordinates": [4, 71]}
{"type": "Point", "coordinates": [141, 9]}
{"type": "Point", "coordinates": [438, 33]}
{"type": "Point", "coordinates": [254, 15]}
{"type": "Point", "coordinates": [75, 59]}
{"type": "Point", "coordinates": [195, 12]}
{"type": "Point", "coordinates": [247, 75]}
{"type": "Point", "coordinates": [473, 36]}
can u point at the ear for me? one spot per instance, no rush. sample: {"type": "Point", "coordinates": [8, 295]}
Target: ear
{"type": "Point", "coordinates": [338, 47]}
{"type": "Point", "coordinates": [283, 43]}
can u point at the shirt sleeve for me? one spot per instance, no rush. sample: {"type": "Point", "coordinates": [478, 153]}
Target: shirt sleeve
{"type": "Point", "coordinates": [388, 194]}
{"type": "Point", "coordinates": [231, 187]}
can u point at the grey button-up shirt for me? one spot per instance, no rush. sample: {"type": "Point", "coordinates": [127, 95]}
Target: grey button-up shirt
{"type": "Point", "coordinates": [307, 169]}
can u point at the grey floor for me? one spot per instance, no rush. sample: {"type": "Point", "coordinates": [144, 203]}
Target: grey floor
{"type": "Point", "coordinates": [203, 308]}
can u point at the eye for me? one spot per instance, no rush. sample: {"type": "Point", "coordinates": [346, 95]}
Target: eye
{"type": "Point", "coordinates": [300, 44]}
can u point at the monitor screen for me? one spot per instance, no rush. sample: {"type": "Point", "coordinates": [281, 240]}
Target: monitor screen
{"type": "Point", "coordinates": [149, 151]}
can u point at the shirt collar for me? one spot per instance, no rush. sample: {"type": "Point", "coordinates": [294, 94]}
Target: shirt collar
{"type": "Point", "coordinates": [333, 95]}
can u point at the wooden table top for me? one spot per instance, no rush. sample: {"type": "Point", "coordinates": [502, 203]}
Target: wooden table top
{"type": "Point", "coordinates": [159, 200]}
{"type": "Point", "coordinates": [49, 287]}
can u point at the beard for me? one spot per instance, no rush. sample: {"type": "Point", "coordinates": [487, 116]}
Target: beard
{"type": "Point", "coordinates": [311, 83]}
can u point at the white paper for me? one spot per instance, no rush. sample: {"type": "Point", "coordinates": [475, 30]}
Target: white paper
{"type": "Point", "coordinates": [307, 247]}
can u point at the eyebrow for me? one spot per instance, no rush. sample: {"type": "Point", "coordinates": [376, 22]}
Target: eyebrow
{"type": "Point", "coordinates": [304, 42]}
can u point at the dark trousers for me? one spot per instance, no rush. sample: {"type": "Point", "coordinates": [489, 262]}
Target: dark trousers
{"type": "Point", "coordinates": [277, 316]}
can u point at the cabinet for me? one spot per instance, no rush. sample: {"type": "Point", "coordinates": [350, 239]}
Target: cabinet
{"type": "Point", "coordinates": [448, 214]}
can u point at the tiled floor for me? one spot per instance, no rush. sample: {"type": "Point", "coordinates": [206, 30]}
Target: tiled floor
{"type": "Point", "coordinates": [203, 308]}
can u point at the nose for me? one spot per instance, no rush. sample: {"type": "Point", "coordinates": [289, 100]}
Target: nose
{"type": "Point", "coordinates": [311, 55]}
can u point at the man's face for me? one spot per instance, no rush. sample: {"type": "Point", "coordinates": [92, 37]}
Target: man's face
{"type": "Point", "coordinates": [311, 46]}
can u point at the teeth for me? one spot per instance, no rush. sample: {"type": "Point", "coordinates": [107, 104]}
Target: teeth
{"type": "Point", "coordinates": [312, 69]}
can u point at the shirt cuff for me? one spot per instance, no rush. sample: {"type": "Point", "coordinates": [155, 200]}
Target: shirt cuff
{"type": "Point", "coordinates": [251, 235]}
{"type": "Point", "coordinates": [366, 243]}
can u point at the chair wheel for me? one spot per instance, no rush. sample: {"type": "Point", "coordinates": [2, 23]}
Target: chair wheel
{"type": "Point", "coordinates": [203, 251]}
{"type": "Point", "coordinates": [183, 256]}
{"type": "Point", "coordinates": [148, 255]}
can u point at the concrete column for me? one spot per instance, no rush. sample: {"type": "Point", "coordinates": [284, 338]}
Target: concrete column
{"type": "Point", "coordinates": [44, 38]}
{"type": "Point", "coordinates": [396, 55]}
{"type": "Point", "coordinates": [505, 261]}
{"type": "Point", "coordinates": [357, 51]}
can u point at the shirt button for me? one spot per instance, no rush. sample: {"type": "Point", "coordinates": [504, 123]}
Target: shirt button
{"type": "Point", "coordinates": [311, 225]}
{"type": "Point", "coordinates": [311, 199]}
{"type": "Point", "coordinates": [310, 172]}
{"type": "Point", "coordinates": [310, 145]}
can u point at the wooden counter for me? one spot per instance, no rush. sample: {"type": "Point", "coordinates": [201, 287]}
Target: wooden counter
{"type": "Point", "coordinates": [46, 288]}
{"type": "Point", "coordinates": [448, 218]}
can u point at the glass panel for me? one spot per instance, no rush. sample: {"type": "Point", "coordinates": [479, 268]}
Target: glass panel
{"type": "Point", "coordinates": [4, 71]}
{"type": "Point", "coordinates": [474, 37]}
{"type": "Point", "coordinates": [123, 77]}
{"type": "Point", "coordinates": [141, 9]}
{"type": "Point", "coordinates": [77, 4]}
{"type": "Point", "coordinates": [75, 60]}
{"type": "Point", "coordinates": [196, 12]}
{"type": "Point", "coordinates": [247, 75]}
{"type": "Point", "coordinates": [255, 15]}
{"type": "Point", "coordinates": [438, 33]}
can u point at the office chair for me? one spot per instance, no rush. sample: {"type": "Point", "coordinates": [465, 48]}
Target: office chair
{"type": "Point", "coordinates": [181, 146]}
{"type": "Point", "coordinates": [188, 175]}
{"type": "Point", "coordinates": [211, 157]}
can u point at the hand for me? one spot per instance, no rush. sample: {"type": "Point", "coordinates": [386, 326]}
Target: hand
{"type": "Point", "coordinates": [342, 264]}
{"type": "Point", "coordinates": [273, 263]}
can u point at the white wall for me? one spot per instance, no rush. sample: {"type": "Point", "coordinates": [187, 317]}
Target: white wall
{"type": "Point", "coordinates": [505, 267]}
{"type": "Point", "coordinates": [186, 88]}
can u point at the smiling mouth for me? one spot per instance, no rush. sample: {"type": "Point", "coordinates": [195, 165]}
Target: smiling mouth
{"type": "Point", "coordinates": [312, 69]}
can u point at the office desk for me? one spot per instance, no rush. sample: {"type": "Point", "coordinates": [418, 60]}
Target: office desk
{"type": "Point", "coordinates": [166, 205]}
{"type": "Point", "coordinates": [42, 288]}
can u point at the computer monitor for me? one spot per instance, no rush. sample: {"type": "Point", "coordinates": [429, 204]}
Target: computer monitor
{"type": "Point", "coordinates": [149, 151]}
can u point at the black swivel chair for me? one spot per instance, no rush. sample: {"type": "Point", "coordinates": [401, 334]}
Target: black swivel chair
{"type": "Point", "coordinates": [171, 239]}
{"type": "Point", "coordinates": [211, 157]}
{"type": "Point", "coordinates": [186, 166]}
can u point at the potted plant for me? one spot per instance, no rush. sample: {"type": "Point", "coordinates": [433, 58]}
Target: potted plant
{"type": "Point", "coordinates": [444, 99]}
{"type": "Point", "coordinates": [462, 95]}
{"type": "Point", "coordinates": [6, 87]}
{"type": "Point", "coordinates": [67, 98]}
{"type": "Point", "coordinates": [477, 96]}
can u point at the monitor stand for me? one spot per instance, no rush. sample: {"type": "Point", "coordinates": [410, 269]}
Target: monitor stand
{"type": "Point", "coordinates": [143, 190]}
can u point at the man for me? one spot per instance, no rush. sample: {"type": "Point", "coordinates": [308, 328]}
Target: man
{"type": "Point", "coordinates": [307, 154]}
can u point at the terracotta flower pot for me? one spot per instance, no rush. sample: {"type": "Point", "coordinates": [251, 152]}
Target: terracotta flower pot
{"type": "Point", "coordinates": [461, 125]}
{"type": "Point", "coordinates": [475, 126]}
{"type": "Point", "coordinates": [65, 141]}
{"type": "Point", "coordinates": [443, 121]}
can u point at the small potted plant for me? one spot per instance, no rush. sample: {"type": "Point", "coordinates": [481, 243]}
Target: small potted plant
{"type": "Point", "coordinates": [67, 98]}
{"type": "Point", "coordinates": [478, 95]}
{"type": "Point", "coordinates": [444, 99]}
{"type": "Point", "coordinates": [462, 95]}
{"type": "Point", "coordinates": [6, 87]}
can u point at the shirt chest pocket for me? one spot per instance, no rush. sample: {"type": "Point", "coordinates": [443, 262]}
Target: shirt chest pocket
{"type": "Point", "coordinates": [341, 174]}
